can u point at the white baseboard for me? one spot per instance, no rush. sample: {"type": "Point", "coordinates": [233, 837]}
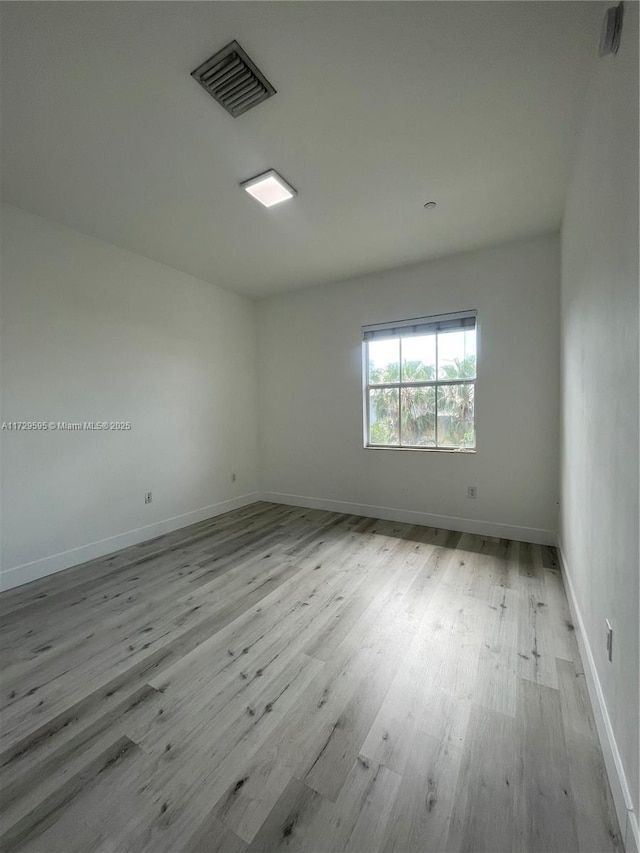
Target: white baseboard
{"type": "Point", "coordinates": [448, 522]}
{"type": "Point", "coordinates": [18, 575]}
{"type": "Point", "coordinates": [627, 817]}
{"type": "Point", "coordinates": [632, 839]}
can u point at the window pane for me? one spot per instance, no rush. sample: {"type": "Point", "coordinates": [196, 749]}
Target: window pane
{"type": "Point", "coordinates": [456, 416]}
{"type": "Point", "coordinates": [384, 361]}
{"type": "Point", "coordinates": [383, 416]}
{"type": "Point", "coordinates": [419, 358]}
{"type": "Point", "coordinates": [457, 354]}
{"type": "Point", "coordinates": [419, 417]}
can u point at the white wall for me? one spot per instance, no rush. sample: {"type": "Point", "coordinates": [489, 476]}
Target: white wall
{"type": "Point", "coordinates": [91, 332]}
{"type": "Point", "coordinates": [599, 468]}
{"type": "Point", "coordinates": [311, 447]}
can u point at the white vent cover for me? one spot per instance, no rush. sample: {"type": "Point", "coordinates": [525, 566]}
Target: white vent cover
{"type": "Point", "coordinates": [233, 80]}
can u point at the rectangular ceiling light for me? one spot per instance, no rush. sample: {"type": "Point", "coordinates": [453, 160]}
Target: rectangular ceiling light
{"type": "Point", "coordinates": [269, 188]}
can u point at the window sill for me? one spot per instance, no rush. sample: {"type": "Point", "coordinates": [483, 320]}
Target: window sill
{"type": "Point", "coordinates": [460, 451]}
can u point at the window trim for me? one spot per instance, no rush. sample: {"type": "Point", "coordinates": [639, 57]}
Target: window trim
{"type": "Point", "coordinates": [395, 329]}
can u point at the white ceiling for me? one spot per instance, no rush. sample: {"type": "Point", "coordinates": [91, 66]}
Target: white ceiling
{"type": "Point", "coordinates": [381, 106]}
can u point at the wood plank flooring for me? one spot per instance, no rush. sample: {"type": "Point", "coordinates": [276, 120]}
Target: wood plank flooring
{"type": "Point", "coordinates": [282, 679]}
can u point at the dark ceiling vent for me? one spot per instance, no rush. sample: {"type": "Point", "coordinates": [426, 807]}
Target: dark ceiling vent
{"type": "Point", "coordinates": [233, 80]}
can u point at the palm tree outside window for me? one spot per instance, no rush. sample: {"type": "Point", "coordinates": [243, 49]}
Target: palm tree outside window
{"type": "Point", "coordinates": [420, 378]}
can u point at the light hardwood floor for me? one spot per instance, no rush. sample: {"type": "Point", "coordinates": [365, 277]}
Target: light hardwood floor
{"type": "Point", "coordinates": [288, 679]}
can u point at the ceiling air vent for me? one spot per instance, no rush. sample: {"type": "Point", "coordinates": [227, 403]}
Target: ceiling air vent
{"type": "Point", "coordinates": [233, 80]}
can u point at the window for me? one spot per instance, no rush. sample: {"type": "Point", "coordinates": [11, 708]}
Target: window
{"type": "Point", "coordinates": [420, 378]}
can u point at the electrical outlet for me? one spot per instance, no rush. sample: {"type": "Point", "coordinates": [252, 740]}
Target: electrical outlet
{"type": "Point", "coordinates": [233, 478]}
{"type": "Point", "coordinates": [148, 497]}
{"type": "Point", "coordinates": [472, 491]}
{"type": "Point", "coordinates": [609, 639]}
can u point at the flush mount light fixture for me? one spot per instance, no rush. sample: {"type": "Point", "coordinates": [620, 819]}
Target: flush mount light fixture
{"type": "Point", "coordinates": [430, 205]}
{"type": "Point", "coordinates": [269, 188]}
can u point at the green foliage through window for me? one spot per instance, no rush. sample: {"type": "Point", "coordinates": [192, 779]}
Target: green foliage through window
{"type": "Point", "coordinates": [421, 390]}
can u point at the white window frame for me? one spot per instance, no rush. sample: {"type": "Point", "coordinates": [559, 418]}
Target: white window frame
{"type": "Point", "coordinates": [406, 328]}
